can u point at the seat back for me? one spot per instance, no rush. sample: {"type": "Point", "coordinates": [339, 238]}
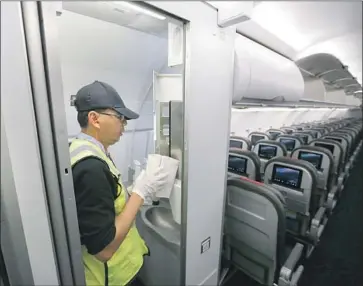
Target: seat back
{"type": "Point", "coordinates": [244, 163]}
{"type": "Point", "coordinates": [350, 137]}
{"type": "Point", "coordinates": [314, 133]}
{"type": "Point", "coordinates": [273, 133]}
{"type": "Point", "coordinates": [254, 229]}
{"type": "Point", "coordinates": [322, 131]}
{"type": "Point", "coordinates": [288, 130]}
{"type": "Point", "coordinates": [257, 136]}
{"type": "Point", "coordinates": [268, 149]}
{"type": "Point", "coordinates": [306, 136]}
{"type": "Point", "coordinates": [239, 142]}
{"type": "Point", "coordinates": [330, 128]}
{"type": "Point", "coordinates": [335, 148]}
{"type": "Point", "coordinates": [297, 182]}
{"type": "Point", "coordinates": [290, 142]}
{"type": "Point", "coordinates": [353, 133]}
{"type": "Point", "coordinates": [345, 144]}
{"type": "Point", "coordinates": [323, 162]}
{"type": "Point", "coordinates": [298, 127]}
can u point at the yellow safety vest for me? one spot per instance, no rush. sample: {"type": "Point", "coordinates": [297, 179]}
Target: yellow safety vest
{"type": "Point", "coordinates": [128, 259]}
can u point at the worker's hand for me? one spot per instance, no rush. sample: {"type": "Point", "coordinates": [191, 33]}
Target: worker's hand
{"type": "Point", "coordinates": [149, 183]}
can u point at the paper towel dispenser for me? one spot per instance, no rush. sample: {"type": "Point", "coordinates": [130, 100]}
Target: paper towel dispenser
{"type": "Point", "coordinates": [260, 73]}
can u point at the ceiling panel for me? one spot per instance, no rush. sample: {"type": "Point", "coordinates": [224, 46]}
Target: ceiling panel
{"type": "Point", "coordinates": [118, 14]}
{"type": "Point", "coordinates": [313, 27]}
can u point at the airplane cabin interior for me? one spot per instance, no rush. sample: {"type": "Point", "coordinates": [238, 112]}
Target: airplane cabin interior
{"type": "Point", "coordinates": [256, 104]}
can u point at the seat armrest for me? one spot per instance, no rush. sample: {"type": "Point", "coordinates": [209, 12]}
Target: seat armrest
{"type": "Point", "coordinates": [318, 216]}
{"type": "Point", "coordinates": [317, 224]}
{"type": "Point", "coordinates": [332, 198]}
{"type": "Point", "coordinates": [296, 276]}
{"type": "Point", "coordinates": [291, 262]}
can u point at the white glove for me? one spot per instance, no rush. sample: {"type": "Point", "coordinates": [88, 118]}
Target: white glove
{"type": "Point", "coordinates": [150, 182]}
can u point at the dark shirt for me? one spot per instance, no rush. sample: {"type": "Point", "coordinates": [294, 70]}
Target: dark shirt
{"type": "Point", "coordinates": [95, 191]}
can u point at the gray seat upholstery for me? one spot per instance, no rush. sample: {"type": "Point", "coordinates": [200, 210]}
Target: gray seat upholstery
{"type": "Point", "coordinates": [314, 202]}
{"type": "Point", "coordinates": [251, 156]}
{"type": "Point", "coordinates": [254, 229]}
{"type": "Point", "coordinates": [349, 137]}
{"type": "Point", "coordinates": [328, 154]}
{"type": "Point", "coordinates": [274, 143]}
{"type": "Point", "coordinates": [343, 140]}
{"type": "Point", "coordinates": [290, 136]}
{"type": "Point", "coordinates": [258, 134]}
{"type": "Point", "coordinates": [242, 139]}
{"type": "Point", "coordinates": [274, 133]}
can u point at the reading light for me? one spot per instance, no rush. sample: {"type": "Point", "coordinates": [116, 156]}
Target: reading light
{"type": "Point", "coordinates": [139, 9]}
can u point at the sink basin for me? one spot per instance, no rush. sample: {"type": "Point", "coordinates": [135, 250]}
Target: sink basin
{"type": "Point", "coordinates": [161, 217]}
{"type": "Point", "coordinates": [160, 220]}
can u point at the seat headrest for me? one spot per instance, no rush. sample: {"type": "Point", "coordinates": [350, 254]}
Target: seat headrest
{"type": "Point", "coordinates": [251, 155]}
{"type": "Point", "coordinates": [319, 149]}
{"type": "Point", "coordinates": [259, 188]}
{"type": "Point", "coordinates": [322, 140]}
{"type": "Point", "coordinates": [259, 134]}
{"type": "Point", "coordinates": [248, 141]}
{"type": "Point", "coordinates": [340, 133]}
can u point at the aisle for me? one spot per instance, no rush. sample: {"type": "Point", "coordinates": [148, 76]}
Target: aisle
{"type": "Point", "coordinates": [338, 260]}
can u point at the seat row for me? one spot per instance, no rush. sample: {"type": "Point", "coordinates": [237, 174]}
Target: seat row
{"type": "Point", "coordinates": [279, 197]}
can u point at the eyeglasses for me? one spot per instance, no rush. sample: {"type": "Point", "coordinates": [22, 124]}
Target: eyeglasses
{"type": "Point", "coordinates": [119, 117]}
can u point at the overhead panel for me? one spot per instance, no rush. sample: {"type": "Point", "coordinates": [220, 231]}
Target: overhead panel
{"type": "Point", "coordinates": [330, 70]}
{"type": "Point", "coordinates": [121, 13]}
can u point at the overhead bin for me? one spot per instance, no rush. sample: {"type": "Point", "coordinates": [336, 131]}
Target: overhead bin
{"type": "Point", "coordinates": [333, 73]}
{"type": "Point", "coordinates": [260, 73]}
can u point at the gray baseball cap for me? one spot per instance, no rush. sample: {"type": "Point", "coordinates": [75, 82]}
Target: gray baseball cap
{"type": "Point", "coordinates": [100, 95]}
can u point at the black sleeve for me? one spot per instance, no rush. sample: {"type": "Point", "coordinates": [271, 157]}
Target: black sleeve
{"type": "Point", "coordinates": [95, 190]}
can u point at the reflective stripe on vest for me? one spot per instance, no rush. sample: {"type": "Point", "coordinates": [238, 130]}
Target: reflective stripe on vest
{"type": "Point", "coordinates": [128, 259]}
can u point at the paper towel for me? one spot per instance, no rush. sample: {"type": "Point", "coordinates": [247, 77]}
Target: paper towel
{"type": "Point", "coordinates": [175, 201]}
{"type": "Point", "coordinates": [168, 165]}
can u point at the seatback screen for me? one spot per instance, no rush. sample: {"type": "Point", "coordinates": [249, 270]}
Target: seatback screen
{"type": "Point", "coordinates": [335, 139]}
{"type": "Point", "coordinates": [288, 131]}
{"type": "Point", "coordinates": [267, 151]}
{"type": "Point", "coordinates": [313, 158]}
{"type": "Point", "coordinates": [235, 144]}
{"type": "Point", "coordinates": [289, 143]}
{"type": "Point", "coordinates": [326, 146]}
{"type": "Point", "coordinates": [256, 138]}
{"type": "Point", "coordinates": [286, 176]}
{"type": "Point", "coordinates": [237, 165]}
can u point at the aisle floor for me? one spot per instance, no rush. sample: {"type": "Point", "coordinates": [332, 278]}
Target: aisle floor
{"type": "Point", "coordinates": [338, 260]}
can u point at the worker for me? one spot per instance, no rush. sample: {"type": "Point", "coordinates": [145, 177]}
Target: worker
{"type": "Point", "coordinates": [112, 248]}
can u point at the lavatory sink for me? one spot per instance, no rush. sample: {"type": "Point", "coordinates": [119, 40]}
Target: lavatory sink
{"type": "Point", "coordinates": [162, 235]}
{"type": "Point", "coordinates": [161, 217]}
{"type": "Point", "coordinates": [159, 220]}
